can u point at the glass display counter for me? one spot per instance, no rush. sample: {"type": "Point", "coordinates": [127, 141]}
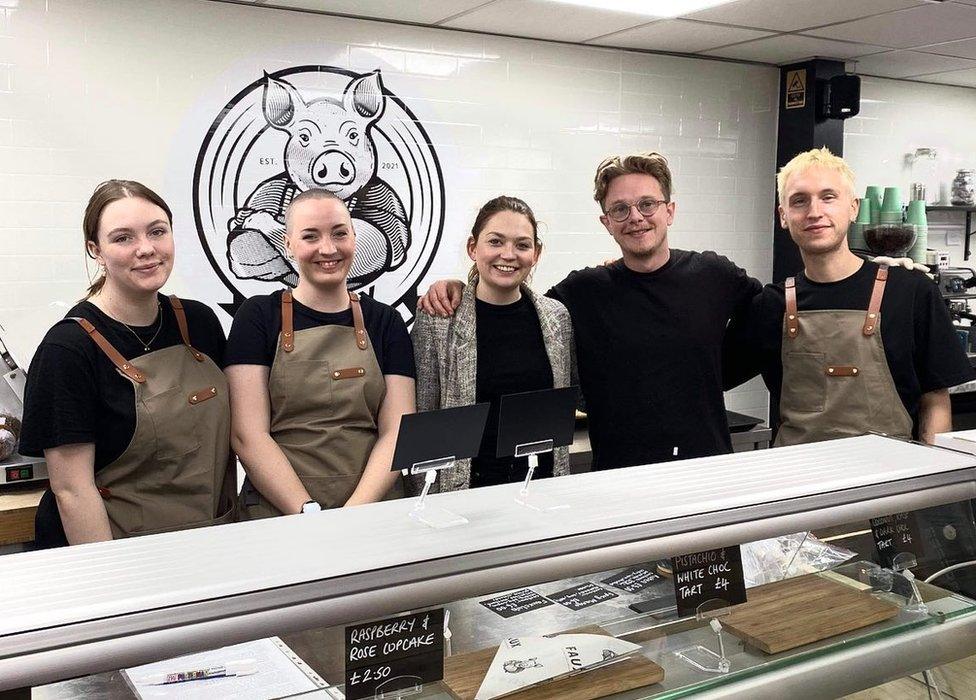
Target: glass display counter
{"type": "Point", "coordinates": [837, 664]}
{"type": "Point", "coordinates": [303, 579]}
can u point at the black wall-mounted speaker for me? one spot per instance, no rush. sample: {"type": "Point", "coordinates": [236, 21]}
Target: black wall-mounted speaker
{"type": "Point", "coordinates": [841, 97]}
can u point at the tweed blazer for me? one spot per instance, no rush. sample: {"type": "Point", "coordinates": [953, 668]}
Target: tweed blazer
{"type": "Point", "coordinates": [446, 351]}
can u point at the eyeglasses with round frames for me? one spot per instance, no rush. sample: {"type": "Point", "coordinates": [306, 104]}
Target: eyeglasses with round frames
{"type": "Point", "coordinates": [620, 212]}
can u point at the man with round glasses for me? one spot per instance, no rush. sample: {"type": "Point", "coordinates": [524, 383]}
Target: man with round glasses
{"type": "Point", "coordinates": [649, 327]}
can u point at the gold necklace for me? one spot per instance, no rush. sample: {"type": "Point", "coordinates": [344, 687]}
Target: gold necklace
{"type": "Point", "coordinates": [145, 345]}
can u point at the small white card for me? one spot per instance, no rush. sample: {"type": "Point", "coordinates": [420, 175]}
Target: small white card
{"type": "Point", "coordinates": [524, 661]}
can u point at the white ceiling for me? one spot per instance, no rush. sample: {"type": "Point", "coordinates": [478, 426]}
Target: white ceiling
{"type": "Point", "coordinates": [925, 40]}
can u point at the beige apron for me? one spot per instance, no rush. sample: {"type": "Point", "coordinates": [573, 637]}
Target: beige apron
{"type": "Point", "coordinates": [177, 471]}
{"type": "Point", "coordinates": [836, 381]}
{"type": "Point", "coordinates": [326, 388]}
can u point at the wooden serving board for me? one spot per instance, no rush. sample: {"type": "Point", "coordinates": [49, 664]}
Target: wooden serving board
{"type": "Point", "coordinates": [798, 611]}
{"type": "Point", "coordinates": [464, 673]}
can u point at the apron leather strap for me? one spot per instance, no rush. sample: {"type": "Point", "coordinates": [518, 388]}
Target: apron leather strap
{"type": "Point", "coordinates": [287, 322]}
{"type": "Point", "coordinates": [184, 329]}
{"type": "Point", "coordinates": [114, 356]}
{"type": "Point", "coordinates": [357, 320]}
{"type": "Point", "coordinates": [792, 318]}
{"type": "Point", "coordinates": [874, 308]}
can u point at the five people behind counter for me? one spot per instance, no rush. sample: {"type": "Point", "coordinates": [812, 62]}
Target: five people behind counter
{"type": "Point", "coordinates": [319, 377]}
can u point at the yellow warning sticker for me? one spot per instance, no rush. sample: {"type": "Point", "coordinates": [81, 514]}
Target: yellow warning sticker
{"type": "Point", "coordinates": [796, 88]}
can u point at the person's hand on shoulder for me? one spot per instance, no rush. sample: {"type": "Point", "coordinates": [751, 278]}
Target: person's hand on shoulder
{"type": "Point", "coordinates": [907, 263]}
{"type": "Point", "coordinates": [443, 297]}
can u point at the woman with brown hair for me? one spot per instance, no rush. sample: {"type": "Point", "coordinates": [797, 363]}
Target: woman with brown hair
{"type": "Point", "coordinates": [125, 399]}
{"type": "Point", "coordinates": [503, 339]}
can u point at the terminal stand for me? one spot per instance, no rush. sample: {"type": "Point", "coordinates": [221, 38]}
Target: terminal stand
{"type": "Point", "coordinates": [534, 423]}
{"type": "Point", "coordinates": [429, 514]}
{"type": "Point", "coordinates": [700, 656]}
{"type": "Point", "coordinates": [535, 501]}
{"type": "Point", "coordinates": [903, 563]}
{"type": "Point", "coordinates": [435, 440]}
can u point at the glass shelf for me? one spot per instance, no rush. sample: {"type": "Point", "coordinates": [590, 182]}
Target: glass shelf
{"type": "Point", "coordinates": [474, 627]}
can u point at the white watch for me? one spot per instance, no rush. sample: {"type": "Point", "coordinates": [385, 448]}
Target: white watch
{"type": "Point", "coordinates": [311, 507]}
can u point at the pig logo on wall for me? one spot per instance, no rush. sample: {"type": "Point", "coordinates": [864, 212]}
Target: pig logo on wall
{"type": "Point", "coordinates": [319, 127]}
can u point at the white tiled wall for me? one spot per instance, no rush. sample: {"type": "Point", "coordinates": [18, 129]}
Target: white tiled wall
{"type": "Point", "coordinates": [91, 90]}
{"type": "Point", "coordinates": [896, 118]}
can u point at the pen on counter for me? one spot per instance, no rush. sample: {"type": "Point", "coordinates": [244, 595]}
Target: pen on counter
{"type": "Point", "coordinates": [245, 667]}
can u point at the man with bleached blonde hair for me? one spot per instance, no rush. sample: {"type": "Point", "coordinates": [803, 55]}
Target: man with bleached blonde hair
{"type": "Point", "coordinates": [847, 346]}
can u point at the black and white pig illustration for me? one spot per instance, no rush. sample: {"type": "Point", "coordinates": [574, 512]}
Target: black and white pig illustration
{"type": "Point", "coordinates": [330, 146]}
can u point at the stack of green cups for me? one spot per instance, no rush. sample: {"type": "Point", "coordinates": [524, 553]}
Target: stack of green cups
{"type": "Point", "coordinates": [855, 234]}
{"type": "Point", "coordinates": [916, 216]}
{"type": "Point", "coordinates": [873, 194]}
{"type": "Point", "coordinates": [891, 212]}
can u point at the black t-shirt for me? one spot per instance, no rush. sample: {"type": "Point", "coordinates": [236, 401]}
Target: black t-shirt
{"type": "Point", "coordinates": [649, 352]}
{"type": "Point", "coordinates": [254, 335]}
{"type": "Point", "coordinates": [511, 359]}
{"type": "Point", "coordinates": [920, 345]}
{"type": "Point", "coordinates": [75, 395]}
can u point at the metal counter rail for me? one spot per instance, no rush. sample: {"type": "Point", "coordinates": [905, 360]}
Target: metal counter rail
{"type": "Point", "coordinates": [102, 606]}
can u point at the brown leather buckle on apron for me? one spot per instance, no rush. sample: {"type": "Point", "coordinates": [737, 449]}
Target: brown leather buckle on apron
{"type": "Point", "coordinates": [357, 320]}
{"type": "Point", "coordinates": [874, 308]}
{"type": "Point", "coordinates": [792, 319]}
{"type": "Point", "coordinates": [202, 395]}
{"type": "Point", "coordinates": [349, 373]}
{"type": "Point", "coordinates": [287, 322]}
{"type": "Point", "coordinates": [839, 371]}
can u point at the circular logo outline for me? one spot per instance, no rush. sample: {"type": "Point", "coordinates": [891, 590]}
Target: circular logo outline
{"type": "Point", "coordinates": [408, 298]}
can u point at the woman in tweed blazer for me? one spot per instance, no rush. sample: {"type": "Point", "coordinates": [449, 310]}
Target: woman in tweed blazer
{"type": "Point", "coordinates": [505, 247]}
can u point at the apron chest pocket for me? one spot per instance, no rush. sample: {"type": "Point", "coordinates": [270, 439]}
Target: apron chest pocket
{"type": "Point", "coordinates": [175, 422]}
{"type": "Point", "coordinates": [301, 382]}
{"type": "Point", "coordinates": [805, 382]}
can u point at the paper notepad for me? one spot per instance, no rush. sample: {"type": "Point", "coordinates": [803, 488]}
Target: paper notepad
{"type": "Point", "coordinates": [279, 673]}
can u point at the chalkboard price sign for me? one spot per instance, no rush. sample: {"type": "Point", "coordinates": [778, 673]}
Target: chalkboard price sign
{"type": "Point", "coordinates": [582, 596]}
{"type": "Point", "coordinates": [516, 603]}
{"type": "Point", "coordinates": [633, 580]}
{"type": "Point", "coordinates": [895, 534]}
{"type": "Point", "coordinates": [399, 653]}
{"type": "Point", "coordinates": [715, 575]}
